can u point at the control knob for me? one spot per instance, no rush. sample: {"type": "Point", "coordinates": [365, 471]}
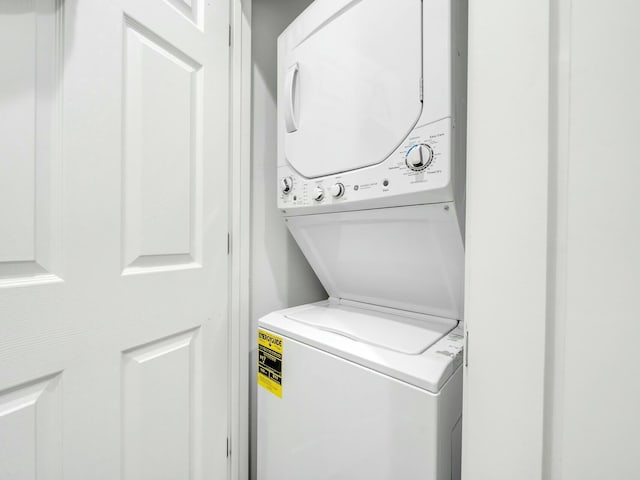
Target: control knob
{"type": "Point", "coordinates": [337, 190]}
{"type": "Point", "coordinates": [419, 157]}
{"type": "Point", "coordinates": [286, 185]}
{"type": "Point", "coordinates": [318, 194]}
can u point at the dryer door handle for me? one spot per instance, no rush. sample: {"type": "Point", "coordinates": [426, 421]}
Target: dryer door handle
{"type": "Point", "coordinates": [290, 121]}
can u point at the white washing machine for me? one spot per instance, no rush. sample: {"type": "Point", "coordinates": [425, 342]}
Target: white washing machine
{"type": "Point", "coordinates": [371, 127]}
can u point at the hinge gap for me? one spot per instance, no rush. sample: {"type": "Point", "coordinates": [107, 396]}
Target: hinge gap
{"type": "Point", "coordinates": [466, 348]}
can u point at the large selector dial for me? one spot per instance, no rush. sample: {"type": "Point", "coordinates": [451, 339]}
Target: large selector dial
{"type": "Point", "coordinates": [419, 157]}
{"type": "Point", "coordinates": [337, 190]}
{"type": "Point", "coordinates": [286, 184]}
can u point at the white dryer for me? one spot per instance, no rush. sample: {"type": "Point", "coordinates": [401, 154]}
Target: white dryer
{"type": "Point", "coordinates": [371, 127]}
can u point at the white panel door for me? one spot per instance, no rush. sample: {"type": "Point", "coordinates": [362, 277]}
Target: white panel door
{"type": "Point", "coordinates": [113, 239]}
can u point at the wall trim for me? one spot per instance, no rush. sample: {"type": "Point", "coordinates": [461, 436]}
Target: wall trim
{"type": "Point", "coordinates": [240, 236]}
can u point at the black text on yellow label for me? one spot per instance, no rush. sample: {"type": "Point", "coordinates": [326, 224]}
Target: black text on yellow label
{"type": "Point", "coordinates": [270, 362]}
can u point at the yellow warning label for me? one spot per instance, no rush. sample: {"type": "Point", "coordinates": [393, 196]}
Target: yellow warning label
{"type": "Point", "coordinates": [270, 362]}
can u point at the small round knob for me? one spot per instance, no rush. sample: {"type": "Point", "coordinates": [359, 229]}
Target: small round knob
{"type": "Point", "coordinates": [286, 184]}
{"type": "Point", "coordinates": [337, 190]}
{"type": "Point", "coordinates": [419, 157]}
{"type": "Point", "coordinates": [318, 194]}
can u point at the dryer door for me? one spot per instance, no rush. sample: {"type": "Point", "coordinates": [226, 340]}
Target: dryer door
{"type": "Point", "coordinates": [349, 83]}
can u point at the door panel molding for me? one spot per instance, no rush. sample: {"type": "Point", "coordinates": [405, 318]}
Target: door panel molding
{"type": "Point", "coordinates": [30, 144]}
{"type": "Point", "coordinates": [31, 429]}
{"type": "Point", "coordinates": [162, 195]}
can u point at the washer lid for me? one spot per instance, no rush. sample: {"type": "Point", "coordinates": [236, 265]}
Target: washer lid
{"type": "Point", "coordinates": [375, 339]}
{"type": "Point", "coordinates": [392, 332]}
{"type": "Point", "coordinates": [409, 258]}
{"type": "Point", "coordinates": [349, 83]}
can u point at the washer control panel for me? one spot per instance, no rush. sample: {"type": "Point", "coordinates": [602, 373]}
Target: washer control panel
{"type": "Point", "coordinates": [422, 162]}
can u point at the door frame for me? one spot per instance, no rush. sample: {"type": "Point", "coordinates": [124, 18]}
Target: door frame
{"type": "Point", "coordinates": [535, 179]}
{"type": "Point", "coordinates": [239, 237]}
{"type": "Point", "coordinates": [511, 212]}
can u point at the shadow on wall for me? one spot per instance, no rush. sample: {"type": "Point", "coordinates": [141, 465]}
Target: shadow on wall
{"type": "Point", "coordinates": [280, 275]}
{"type": "Point", "coordinates": [276, 255]}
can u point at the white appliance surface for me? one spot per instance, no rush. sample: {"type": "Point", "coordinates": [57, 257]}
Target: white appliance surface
{"type": "Point", "coordinates": [360, 86]}
{"type": "Point", "coordinates": [418, 349]}
{"type": "Point", "coordinates": [371, 173]}
{"type": "Point", "coordinates": [388, 184]}
{"type": "Point", "coordinates": [340, 420]}
{"type": "Point", "coordinates": [388, 331]}
{"type": "Point", "coordinates": [409, 258]}
{"type": "Point", "coordinates": [352, 77]}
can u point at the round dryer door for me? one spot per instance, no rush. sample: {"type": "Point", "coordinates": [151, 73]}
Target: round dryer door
{"type": "Point", "coordinates": [349, 79]}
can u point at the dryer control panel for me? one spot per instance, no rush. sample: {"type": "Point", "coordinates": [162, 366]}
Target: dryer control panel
{"type": "Point", "coordinates": [419, 169]}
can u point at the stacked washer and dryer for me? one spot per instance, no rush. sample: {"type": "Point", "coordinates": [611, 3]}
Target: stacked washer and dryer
{"type": "Point", "coordinates": [367, 385]}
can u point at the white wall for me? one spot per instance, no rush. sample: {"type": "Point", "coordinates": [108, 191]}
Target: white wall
{"type": "Point", "coordinates": [593, 398]}
{"type": "Point", "coordinates": [280, 275]}
{"type": "Point", "coordinates": [506, 239]}
{"type": "Point", "coordinates": [552, 386]}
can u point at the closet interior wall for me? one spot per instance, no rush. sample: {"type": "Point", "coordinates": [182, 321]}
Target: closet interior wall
{"type": "Point", "coordinates": [280, 275]}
